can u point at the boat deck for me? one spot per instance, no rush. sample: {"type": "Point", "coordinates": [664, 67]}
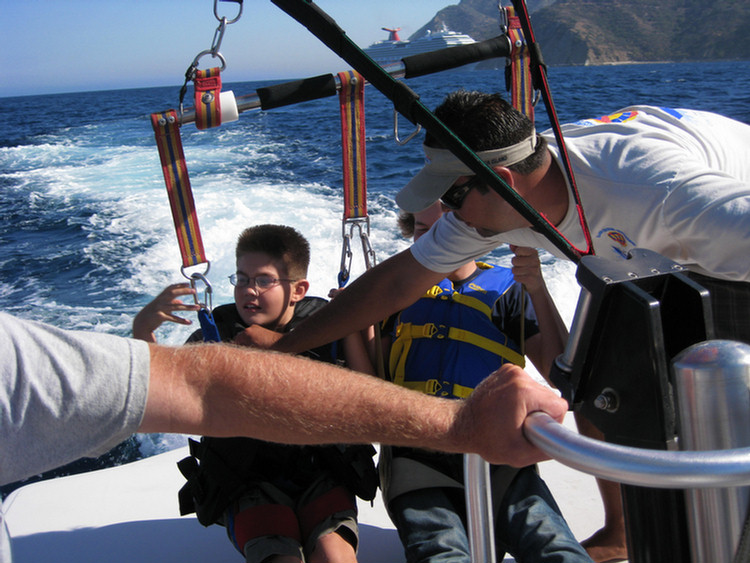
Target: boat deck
{"type": "Point", "coordinates": [129, 513]}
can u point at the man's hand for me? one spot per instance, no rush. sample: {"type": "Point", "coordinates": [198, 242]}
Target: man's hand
{"type": "Point", "coordinates": [491, 420]}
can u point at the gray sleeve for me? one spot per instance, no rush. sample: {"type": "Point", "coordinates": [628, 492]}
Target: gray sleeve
{"type": "Point", "coordinates": [65, 395]}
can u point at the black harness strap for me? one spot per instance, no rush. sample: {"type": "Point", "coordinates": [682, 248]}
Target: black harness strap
{"type": "Point", "coordinates": [539, 78]}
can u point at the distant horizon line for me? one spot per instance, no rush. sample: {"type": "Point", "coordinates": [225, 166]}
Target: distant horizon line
{"type": "Point", "coordinates": [293, 78]}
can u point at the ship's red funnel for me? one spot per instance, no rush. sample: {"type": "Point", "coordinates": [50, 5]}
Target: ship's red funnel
{"type": "Point", "coordinates": [393, 33]}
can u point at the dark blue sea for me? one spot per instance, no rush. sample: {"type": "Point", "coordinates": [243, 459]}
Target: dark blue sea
{"type": "Point", "coordinates": [85, 227]}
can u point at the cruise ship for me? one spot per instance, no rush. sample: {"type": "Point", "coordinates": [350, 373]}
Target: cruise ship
{"type": "Point", "coordinates": [394, 49]}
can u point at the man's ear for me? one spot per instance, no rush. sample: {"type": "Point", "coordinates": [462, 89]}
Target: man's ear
{"type": "Point", "coordinates": [505, 174]}
{"type": "Point", "coordinates": [299, 290]}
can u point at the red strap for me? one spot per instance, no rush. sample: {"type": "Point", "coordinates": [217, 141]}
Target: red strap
{"type": "Point", "coordinates": [264, 520]}
{"type": "Point", "coordinates": [329, 503]}
{"type": "Point", "coordinates": [207, 87]}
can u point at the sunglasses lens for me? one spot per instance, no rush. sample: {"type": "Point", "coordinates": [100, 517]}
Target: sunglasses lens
{"type": "Point", "coordinates": [454, 197]}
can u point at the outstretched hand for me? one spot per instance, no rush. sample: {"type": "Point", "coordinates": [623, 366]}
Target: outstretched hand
{"type": "Point", "coordinates": [162, 309]}
{"type": "Point", "coordinates": [492, 417]}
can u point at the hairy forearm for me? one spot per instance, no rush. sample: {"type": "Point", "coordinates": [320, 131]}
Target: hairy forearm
{"type": "Point", "coordinates": [226, 391]}
{"type": "Point", "coordinates": [221, 390]}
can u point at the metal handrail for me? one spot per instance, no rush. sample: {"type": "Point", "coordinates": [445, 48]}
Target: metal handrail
{"type": "Point", "coordinates": [478, 491]}
{"type": "Point", "coordinates": [636, 466]}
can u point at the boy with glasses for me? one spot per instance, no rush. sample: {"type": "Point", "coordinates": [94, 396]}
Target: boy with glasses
{"type": "Point", "coordinates": [278, 502]}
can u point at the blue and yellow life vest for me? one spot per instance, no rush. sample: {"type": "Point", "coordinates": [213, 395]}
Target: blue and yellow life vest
{"type": "Point", "coordinates": [446, 342]}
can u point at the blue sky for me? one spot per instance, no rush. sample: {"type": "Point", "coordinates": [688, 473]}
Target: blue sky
{"type": "Point", "coordinates": [49, 46]}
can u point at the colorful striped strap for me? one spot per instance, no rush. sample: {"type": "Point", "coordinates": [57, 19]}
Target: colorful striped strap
{"type": "Point", "coordinates": [207, 86]}
{"type": "Point", "coordinates": [352, 102]}
{"type": "Point", "coordinates": [167, 132]}
{"type": "Point", "coordinates": [521, 84]}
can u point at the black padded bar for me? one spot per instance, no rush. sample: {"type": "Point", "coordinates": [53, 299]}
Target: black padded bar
{"type": "Point", "coordinates": [453, 57]}
{"type": "Point", "coordinates": [304, 90]}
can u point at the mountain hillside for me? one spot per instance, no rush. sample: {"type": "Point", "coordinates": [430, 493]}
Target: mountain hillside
{"type": "Point", "coordinates": [611, 31]}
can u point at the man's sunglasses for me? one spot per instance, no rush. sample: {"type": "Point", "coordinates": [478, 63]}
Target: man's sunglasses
{"type": "Point", "coordinates": [453, 199]}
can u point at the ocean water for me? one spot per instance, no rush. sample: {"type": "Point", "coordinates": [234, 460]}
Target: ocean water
{"type": "Point", "coordinates": [85, 228]}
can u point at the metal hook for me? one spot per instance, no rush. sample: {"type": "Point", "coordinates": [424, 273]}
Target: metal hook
{"type": "Point", "coordinates": [220, 18]}
{"type": "Point", "coordinates": [207, 302]}
{"type": "Point", "coordinates": [395, 130]}
{"type": "Point", "coordinates": [367, 249]}
{"type": "Point", "coordinates": [200, 276]}
{"type": "Point", "coordinates": [362, 224]}
{"type": "Point", "coordinates": [346, 257]}
{"type": "Point", "coordinates": [199, 56]}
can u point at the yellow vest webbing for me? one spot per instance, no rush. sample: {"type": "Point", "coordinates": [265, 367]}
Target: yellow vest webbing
{"type": "Point", "coordinates": [430, 330]}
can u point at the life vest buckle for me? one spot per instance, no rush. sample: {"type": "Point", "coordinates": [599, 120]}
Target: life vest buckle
{"type": "Point", "coordinates": [432, 386]}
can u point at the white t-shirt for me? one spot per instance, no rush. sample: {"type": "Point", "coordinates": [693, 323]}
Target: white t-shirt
{"type": "Point", "coordinates": [673, 181]}
{"type": "Point", "coordinates": [65, 395]}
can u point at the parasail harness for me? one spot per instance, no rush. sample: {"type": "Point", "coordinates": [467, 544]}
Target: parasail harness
{"type": "Point", "coordinates": [166, 125]}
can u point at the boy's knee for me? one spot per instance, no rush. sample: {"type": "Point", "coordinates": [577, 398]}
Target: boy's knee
{"type": "Point", "coordinates": [333, 548]}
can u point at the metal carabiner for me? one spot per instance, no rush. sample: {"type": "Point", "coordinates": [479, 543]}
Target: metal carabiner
{"type": "Point", "coordinates": [218, 36]}
{"type": "Point", "coordinates": [207, 303]}
{"type": "Point", "coordinates": [346, 257]}
{"type": "Point", "coordinates": [199, 56]}
{"type": "Point", "coordinates": [213, 51]}
{"type": "Point", "coordinates": [221, 18]}
{"type": "Point", "coordinates": [395, 130]}
{"type": "Point", "coordinates": [362, 224]}
{"type": "Point", "coordinates": [367, 250]}
{"type": "Point", "coordinates": [504, 21]}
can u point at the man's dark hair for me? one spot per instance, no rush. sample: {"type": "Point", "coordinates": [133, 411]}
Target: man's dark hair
{"type": "Point", "coordinates": [485, 122]}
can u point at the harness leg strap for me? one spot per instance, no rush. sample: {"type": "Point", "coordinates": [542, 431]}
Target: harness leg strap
{"type": "Point", "coordinates": [263, 520]}
{"type": "Point", "coordinates": [335, 500]}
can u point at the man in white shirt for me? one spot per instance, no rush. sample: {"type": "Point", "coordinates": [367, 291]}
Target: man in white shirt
{"type": "Point", "coordinates": [673, 181]}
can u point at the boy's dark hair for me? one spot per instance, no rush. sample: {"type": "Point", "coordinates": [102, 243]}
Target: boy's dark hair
{"type": "Point", "coordinates": [485, 122]}
{"type": "Point", "coordinates": [280, 243]}
{"type": "Point", "coordinates": [406, 223]}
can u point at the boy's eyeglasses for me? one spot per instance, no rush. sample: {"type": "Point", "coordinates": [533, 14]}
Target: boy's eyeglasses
{"type": "Point", "coordinates": [453, 199]}
{"type": "Point", "coordinates": [260, 283]}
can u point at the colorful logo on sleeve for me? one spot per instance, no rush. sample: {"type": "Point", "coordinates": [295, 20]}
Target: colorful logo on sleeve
{"type": "Point", "coordinates": [620, 117]}
{"type": "Point", "coordinates": [619, 241]}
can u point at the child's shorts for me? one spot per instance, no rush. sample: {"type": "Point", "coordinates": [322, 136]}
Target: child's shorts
{"type": "Point", "coordinates": [266, 521]}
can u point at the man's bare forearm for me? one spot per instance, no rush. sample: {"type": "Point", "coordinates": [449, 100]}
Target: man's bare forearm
{"type": "Point", "coordinates": [221, 390]}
